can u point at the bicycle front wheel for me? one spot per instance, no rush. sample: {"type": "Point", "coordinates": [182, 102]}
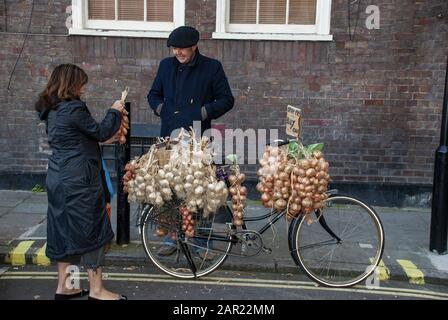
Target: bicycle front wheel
{"type": "Point", "coordinates": [177, 255]}
{"type": "Point", "coordinates": [342, 245]}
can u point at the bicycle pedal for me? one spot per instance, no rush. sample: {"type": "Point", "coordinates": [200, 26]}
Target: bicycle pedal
{"type": "Point", "coordinates": [267, 250]}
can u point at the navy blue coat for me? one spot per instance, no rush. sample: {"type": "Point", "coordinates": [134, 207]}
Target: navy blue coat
{"type": "Point", "coordinates": [184, 89]}
{"type": "Point", "coordinates": [77, 220]}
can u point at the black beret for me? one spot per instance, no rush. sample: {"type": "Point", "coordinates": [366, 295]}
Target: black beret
{"type": "Point", "coordinates": [183, 37]}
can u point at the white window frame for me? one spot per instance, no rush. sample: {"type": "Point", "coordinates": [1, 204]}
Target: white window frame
{"type": "Point", "coordinates": [83, 26]}
{"type": "Point", "coordinates": [318, 32]}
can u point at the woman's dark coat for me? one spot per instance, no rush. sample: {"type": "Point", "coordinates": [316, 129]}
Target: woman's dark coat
{"type": "Point", "coordinates": [77, 221]}
{"type": "Point", "coordinates": [183, 90]}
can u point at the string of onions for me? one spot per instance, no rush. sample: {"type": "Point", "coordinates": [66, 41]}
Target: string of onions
{"type": "Point", "coordinates": [182, 168]}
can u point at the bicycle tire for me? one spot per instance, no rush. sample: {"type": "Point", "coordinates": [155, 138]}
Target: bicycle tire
{"type": "Point", "coordinates": [354, 259]}
{"type": "Point", "coordinates": [180, 268]}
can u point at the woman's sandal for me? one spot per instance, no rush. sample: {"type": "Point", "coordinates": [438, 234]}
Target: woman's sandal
{"type": "Point", "coordinates": [121, 297]}
{"type": "Point", "coordinates": [80, 294]}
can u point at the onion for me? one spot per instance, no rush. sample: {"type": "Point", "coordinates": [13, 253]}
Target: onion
{"type": "Point", "coordinates": [198, 174]}
{"type": "Point", "coordinates": [284, 190]}
{"type": "Point", "coordinates": [161, 174]}
{"type": "Point", "coordinates": [277, 195]}
{"type": "Point", "coordinates": [296, 171]}
{"type": "Point", "coordinates": [199, 191]}
{"type": "Point", "coordinates": [238, 215]}
{"type": "Point", "coordinates": [304, 164]}
{"type": "Point", "coordinates": [265, 197]}
{"type": "Point", "coordinates": [243, 191]}
{"type": "Point", "coordinates": [260, 187]}
{"type": "Point", "coordinates": [318, 154]}
{"type": "Point", "coordinates": [321, 189]}
{"type": "Point", "coordinates": [307, 202]}
{"type": "Point", "coordinates": [232, 179]}
{"type": "Point", "coordinates": [280, 204]}
{"type": "Point", "coordinates": [311, 172]}
{"type": "Point", "coordinates": [241, 177]}
{"type": "Point", "coordinates": [233, 191]}
{"type": "Point", "coordinates": [309, 188]}
{"type": "Point", "coordinates": [283, 176]}
{"type": "Point", "coordinates": [295, 207]}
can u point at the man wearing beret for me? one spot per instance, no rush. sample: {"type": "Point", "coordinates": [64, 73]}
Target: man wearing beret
{"type": "Point", "coordinates": [189, 86]}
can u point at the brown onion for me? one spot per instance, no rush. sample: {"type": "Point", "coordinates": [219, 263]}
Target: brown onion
{"type": "Point", "coordinates": [280, 204]}
{"type": "Point", "coordinates": [307, 203]}
{"type": "Point", "coordinates": [265, 197]}
{"type": "Point", "coordinates": [311, 172]}
{"type": "Point", "coordinates": [241, 177]}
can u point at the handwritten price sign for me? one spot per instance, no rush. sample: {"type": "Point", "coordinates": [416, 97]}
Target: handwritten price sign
{"type": "Point", "coordinates": [293, 121]}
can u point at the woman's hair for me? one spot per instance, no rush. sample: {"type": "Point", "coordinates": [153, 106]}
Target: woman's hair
{"type": "Point", "coordinates": [65, 84]}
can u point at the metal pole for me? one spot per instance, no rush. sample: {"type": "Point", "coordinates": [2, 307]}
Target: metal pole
{"type": "Point", "coordinates": [123, 208]}
{"type": "Point", "coordinates": [439, 210]}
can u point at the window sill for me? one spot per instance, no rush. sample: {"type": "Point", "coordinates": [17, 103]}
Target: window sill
{"type": "Point", "coordinates": [271, 36]}
{"type": "Point", "coordinates": [119, 33]}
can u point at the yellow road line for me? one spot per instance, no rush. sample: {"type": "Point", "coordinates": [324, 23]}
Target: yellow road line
{"type": "Point", "coordinates": [384, 271]}
{"type": "Point", "coordinates": [17, 255]}
{"type": "Point", "coordinates": [215, 280]}
{"type": "Point", "coordinates": [40, 258]}
{"type": "Point", "coordinates": [415, 275]}
{"type": "Point", "coordinates": [254, 285]}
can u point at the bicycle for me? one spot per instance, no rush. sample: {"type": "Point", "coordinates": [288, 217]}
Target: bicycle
{"type": "Point", "coordinates": [341, 248]}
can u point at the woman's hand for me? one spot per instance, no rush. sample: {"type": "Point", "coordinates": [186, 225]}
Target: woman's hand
{"type": "Point", "coordinates": [114, 138]}
{"type": "Point", "coordinates": [118, 105]}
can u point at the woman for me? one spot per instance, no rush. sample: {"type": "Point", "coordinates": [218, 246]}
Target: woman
{"type": "Point", "coordinates": [78, 228]}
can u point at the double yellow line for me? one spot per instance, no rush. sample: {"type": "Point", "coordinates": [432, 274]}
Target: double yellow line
{"type": "Point", "coordinates": [17, 257]}
{"type": "Point", "coordinates": [237, 282]}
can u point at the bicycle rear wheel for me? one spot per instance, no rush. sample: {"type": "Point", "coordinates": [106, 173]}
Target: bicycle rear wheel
{"type": "Point", "coordinates": [343, 247]}
{"type": "Point", "coordinates": [190, 257]}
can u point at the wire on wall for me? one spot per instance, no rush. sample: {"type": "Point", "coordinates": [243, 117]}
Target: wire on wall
{"type": "Point", "coordinates": [23, 45]}
{"type": "Point", "coordinates": [349, 4]}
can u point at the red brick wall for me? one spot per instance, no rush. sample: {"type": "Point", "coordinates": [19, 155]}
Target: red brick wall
{"type": "Point", "coordinates": [375, 101]}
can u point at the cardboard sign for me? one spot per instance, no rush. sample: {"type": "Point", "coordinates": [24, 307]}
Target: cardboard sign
{"type": "Point", "coordinates": [293, 121]}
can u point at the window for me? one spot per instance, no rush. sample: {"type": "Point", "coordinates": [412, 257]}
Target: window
{"type": "Point", "coordinates": [273, 19]}
{"type": "Point", "coordinates": [139, 18]}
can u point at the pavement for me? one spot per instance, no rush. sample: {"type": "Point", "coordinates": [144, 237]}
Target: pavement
{"type": "Point", "coordinates": [406, 255]}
